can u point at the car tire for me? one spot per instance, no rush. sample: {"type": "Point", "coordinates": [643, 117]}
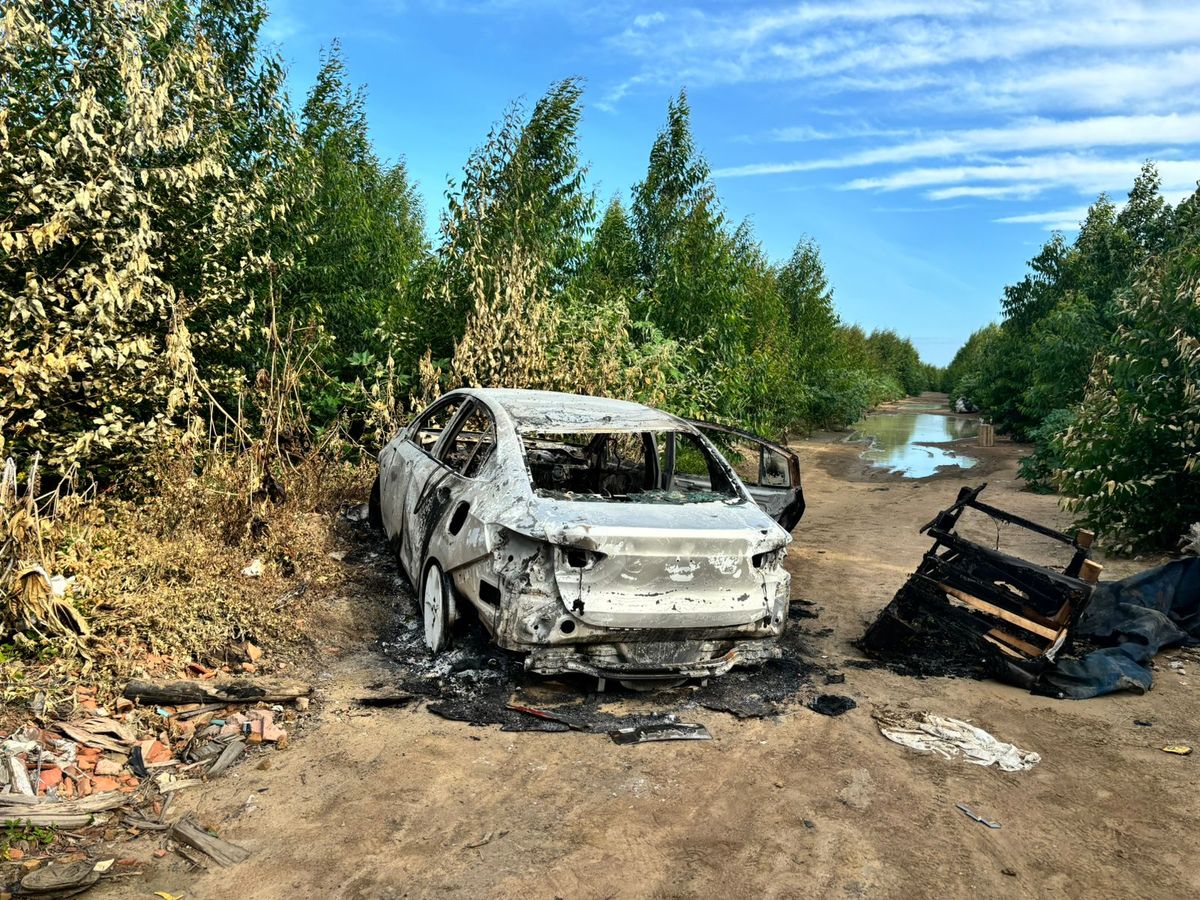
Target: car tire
{"type": "Point", "coordinates": [435, 607]}
{"type": "Point", "coordinates": [375, 506]}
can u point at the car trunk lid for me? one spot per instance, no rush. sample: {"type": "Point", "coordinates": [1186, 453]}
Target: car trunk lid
{"type": "Point", "coordinates": [664, 577]}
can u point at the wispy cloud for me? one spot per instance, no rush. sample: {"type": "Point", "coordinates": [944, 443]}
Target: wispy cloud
{"type": "Point", "coordinates": [1072, 50]}
{"type": "Point", "coordinates": [282, 23]}
{"type": "Point", "coordinates": [1024, 177]}
{"type": "Point", "coordinates": [1037, 134]}
{"type": "Point", "coordinates": [1054, 220]}
{"type": "Point", "coordinates": [1084, 90]}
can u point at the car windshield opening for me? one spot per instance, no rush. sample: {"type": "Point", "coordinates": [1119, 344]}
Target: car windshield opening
{"type": "Point", "coordinates": [622, 466]}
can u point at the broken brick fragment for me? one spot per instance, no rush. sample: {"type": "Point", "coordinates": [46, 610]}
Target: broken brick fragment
{"type": "Point", "coordinates": [153, 751]}
{"type": "Point", "coordinates": [102, 783]}
{"type": "Point", "coordinates": [51, 777]}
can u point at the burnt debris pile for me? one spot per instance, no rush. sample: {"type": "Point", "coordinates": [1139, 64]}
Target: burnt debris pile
{"type": "Point", "coordinates": [972, 610]}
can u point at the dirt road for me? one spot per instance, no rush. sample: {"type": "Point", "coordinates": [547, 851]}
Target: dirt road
{"type": "Point", "coordinates": [399, 803]}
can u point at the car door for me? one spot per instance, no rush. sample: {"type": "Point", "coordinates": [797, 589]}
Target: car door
{"type": "Point", "coordinates": [416, 470]}
{"type": "Point", "coordinates": [456, 533]}
{"type": "Point", "coordinates": [771, 472]}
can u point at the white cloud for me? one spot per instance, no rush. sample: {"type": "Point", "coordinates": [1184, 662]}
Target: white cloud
{"type": "Point", "coordinates": [987, 192]}
{"type": "Point", "coordinates": [956, 100]}
{"type": "Point", "coordinates": [645, 20]}
{"type": "Point", "coordinates": [1055, 220]}
{"type": "Point", "coordinates": [1085, 174]}
{"type": "Point", "coordinates": [1072, 53]}
{"type": "Point", "coordinates": [1037, 134]}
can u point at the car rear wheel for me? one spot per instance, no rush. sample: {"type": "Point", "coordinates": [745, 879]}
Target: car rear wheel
{"type": "Point", "coordinates": [435, 608]}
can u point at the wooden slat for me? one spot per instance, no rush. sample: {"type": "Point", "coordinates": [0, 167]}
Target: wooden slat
{"type": "Point", "coordinates": [1024, 646]}
{"type": "Point", "coordinates": [1090, 572]}
{"type": "Point", "coordinates": [983, 606]}
{"type": "Point", "coordinates": [1004, 648]}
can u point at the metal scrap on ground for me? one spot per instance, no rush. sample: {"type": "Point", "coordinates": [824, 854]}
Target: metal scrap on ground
{"type": "Point", "coordinates": [660, 731]}
{"type": "Point", "coordinates": [974, 816]}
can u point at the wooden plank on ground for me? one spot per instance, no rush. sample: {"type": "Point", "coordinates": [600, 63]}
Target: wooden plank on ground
{"type": "Point", "coordinates": [240, 690]}
{"type": "Point", "coordinates": [1024, 646]}
{"type": "Point", "coordinates": [222, 852]}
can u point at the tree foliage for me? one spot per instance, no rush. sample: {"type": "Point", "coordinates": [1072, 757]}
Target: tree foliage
{"type": "Point", "coordinates": [1130, 461]}
{"type": "Point", "coordinates": [1091, 363]}
{"type": "Point", "coordinates": [170, 224]}
{"type": "Point", "coordinates": [365, 235]}
{"type": "Point", "coordinates": [127, 232]}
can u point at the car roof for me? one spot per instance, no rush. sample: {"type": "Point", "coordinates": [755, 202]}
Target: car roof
{"type": "Point", "coordinates": [552, 411]}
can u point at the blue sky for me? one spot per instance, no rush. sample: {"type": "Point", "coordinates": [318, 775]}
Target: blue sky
{"type": "Point", "coordinates": [929, 147]}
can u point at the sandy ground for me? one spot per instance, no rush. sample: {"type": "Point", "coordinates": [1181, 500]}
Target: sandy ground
{"type": "Point", "coordinates": [399, 803]}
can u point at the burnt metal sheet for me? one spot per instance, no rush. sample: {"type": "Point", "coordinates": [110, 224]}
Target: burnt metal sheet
{"type": "Point", "coordinates": [660, 731]}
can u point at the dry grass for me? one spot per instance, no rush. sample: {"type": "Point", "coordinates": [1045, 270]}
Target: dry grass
{"type": "Point", "coordinates": [159, 581]}
{"type": "Point", "coordinates": [156, 583]}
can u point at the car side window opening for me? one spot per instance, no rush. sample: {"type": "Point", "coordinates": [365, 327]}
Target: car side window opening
{"type": "Point", "coordinates": [757, 465]}
{"type": "Point", "coordinates": [623, 466]}
{"type": "Point", "coordinates": [433, 422]}
{"type": "Point", "coordinates": [471, 443]}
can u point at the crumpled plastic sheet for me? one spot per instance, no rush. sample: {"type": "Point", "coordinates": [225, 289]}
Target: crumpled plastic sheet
{"type": "Point", "coordinates": [953, 738]}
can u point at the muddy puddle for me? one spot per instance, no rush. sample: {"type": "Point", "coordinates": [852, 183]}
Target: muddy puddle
{"type": "Point", "coordinates": [915, 444]}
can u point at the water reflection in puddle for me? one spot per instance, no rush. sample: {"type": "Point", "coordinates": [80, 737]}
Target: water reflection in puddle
{"type": "Point", "coordinates": [900, 442]}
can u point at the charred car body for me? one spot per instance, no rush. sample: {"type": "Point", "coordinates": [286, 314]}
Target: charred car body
{"type": "Point", "coordinates": [596, 536]}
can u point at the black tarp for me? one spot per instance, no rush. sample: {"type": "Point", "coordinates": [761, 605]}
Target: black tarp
{"type": "Point", "coordinates": [1127, 622]}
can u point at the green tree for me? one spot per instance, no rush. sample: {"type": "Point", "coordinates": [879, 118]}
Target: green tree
{"type": "Point", "coordinates": [524, 186]}
{"type": "Point", "coordinates": [677, 183]}
{"type": "Point", "coordinates": [961, 378]}
{"type": "Point", "coordinates": [128, 236]}
{"type": "Point", "coordinates": [364, 235]}
{"type": "Point", "coordinates": [610, 262]}
{"type": "Point", "coordinates": [896, 356]}
{"type": "Point", "coordinates": [808, 301]}
{"type": "Point", "coordinates": [1131, 459]}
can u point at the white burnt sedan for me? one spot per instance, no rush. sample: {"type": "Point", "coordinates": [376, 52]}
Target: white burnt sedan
{"type": "Point", "coordinates": [595, 536]}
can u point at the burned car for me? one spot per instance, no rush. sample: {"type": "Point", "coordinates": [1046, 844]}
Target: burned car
{"type": "Point", "coordinates": [596, 536]}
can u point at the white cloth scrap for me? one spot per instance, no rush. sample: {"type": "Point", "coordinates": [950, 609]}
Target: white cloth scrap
{"type": "Point", "coordinates": [951, 738]}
